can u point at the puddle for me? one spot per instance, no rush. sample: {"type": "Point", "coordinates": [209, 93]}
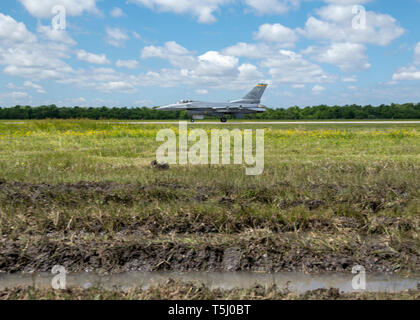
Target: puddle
{"type": "Point", "coordinates": [294, 281]}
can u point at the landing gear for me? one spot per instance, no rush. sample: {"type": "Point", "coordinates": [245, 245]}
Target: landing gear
{"type": "Point", "coordinates": [223, 119]}
{"type": "Point", "coordinates": [192, 120]}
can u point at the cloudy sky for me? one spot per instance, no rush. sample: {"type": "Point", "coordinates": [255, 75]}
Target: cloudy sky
{"type": "Point", "coordinates": [155, 52]}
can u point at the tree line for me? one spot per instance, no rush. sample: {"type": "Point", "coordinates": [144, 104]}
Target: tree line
{"type": "Point", "coordinates": [321, 112]}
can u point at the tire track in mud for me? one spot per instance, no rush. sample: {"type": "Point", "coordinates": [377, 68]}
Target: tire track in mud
{"type": "Point", "coordinates": [262, 253]}
{"type": "Point", "coordinates": [371, 198]}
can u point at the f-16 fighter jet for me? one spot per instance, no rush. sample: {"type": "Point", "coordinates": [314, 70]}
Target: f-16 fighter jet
{"type": "Point", "coordinates": [238, 108]}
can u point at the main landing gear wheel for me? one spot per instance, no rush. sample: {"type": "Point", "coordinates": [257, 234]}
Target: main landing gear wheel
{"type": "Point", "coordinates": [223, 120]}
{"type": "Point", "coordinates": [192, 120]}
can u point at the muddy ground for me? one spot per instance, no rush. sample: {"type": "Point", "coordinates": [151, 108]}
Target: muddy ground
{"type": "Point", "coordinates": [268, 254]}
{"type": "Point", "coordinates": [42, 226]}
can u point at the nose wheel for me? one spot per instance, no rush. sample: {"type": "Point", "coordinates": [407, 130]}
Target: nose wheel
{"type": "Point", "coordinates": [223, 119]}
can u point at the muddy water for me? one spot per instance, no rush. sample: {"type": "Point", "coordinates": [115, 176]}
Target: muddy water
{"type": "Point", "coordinates": [294, 281]}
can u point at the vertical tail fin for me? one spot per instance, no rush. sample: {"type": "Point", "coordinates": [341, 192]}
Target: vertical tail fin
{"type": "Point", "coordinates": [256, 93]}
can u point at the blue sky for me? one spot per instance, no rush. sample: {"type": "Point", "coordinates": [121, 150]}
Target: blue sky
{"type": "Point", "coordinates": [155, 52]}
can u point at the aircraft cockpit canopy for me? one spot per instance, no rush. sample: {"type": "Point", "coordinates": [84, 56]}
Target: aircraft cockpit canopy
{"type": "Point", "coordinates": [185, 101]}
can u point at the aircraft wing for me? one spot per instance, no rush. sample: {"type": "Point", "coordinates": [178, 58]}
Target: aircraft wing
{"type": "Point", "coordinates": [227, 109]}
{"type": "Point", "coordinates": [214, 109]}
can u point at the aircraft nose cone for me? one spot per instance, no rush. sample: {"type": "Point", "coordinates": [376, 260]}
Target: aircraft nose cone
{"type": "Point", "coordinates": [169, 107]}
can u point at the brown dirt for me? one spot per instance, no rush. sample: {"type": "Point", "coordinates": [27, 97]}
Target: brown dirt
{"type": "Point", "coordinates": [269, 254]}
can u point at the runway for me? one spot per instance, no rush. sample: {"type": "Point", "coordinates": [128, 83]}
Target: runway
{"type": "Point", "coordinates": [267, 123]}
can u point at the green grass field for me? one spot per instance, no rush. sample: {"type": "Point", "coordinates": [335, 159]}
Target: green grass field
{"type": "Point", "coordinates": [84, 195]}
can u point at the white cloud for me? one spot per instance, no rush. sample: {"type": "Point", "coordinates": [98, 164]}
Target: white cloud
{"type": "Point", "coordinates": [19, 95]}
{"type": "Point", "coordinates": [272, 6]}
{"type": "Point", "coordinates": [318, 89]}
{"type": "Point", "coordinates": [336, 25]}
{"type": "Point", "coordinates": [117, 12]}
{"type": "Point", "coordinates": [101, 79]}
{"type": "Point", "coordinates": [298, 86]}
{"type": "Point", "coordinates": [136, 35]}
{"type": "Point", "coordinates": [203, 10]}
{"type": "Point", "coordinates": [79, 100]}
{"type": "Point", "coordinates": [248, 71]}
{"type": "Point", "coordinates": [118, 85]}
{"type": "Point", "coordinates": [290, 67]}
{"type": "Point", "coordinates": [213, 68]}
{"type": "Point", "coordinates": [349, 79]}
{"type": "Point", "coordinates": [176, 54]}
{"type": "Point", "coordinates": [43, 8]}
{"type": "Point", "coordinates": [407, 73]}
{"type": "Point", "coordinates": [92, 57]}
{"type": "Point", "coordinates": [15, 96]}
{"type": "Point", "coordinates": [411, 72]}
{"type": "Point", "coordinates": [242, 49]}
{"type": "Point", "coordinates": [347, 2]}
{"type": "Point", "coordinates": [213, 63]}
{"type": "Point", "coordinates": [116, 37]}
{"type": "Point", "coordinates": [35, 71]}
{"type": "Point", "coordinates": [48, 33]}
{"type": "Point", "coordinates": [277, 33]}
{"type": "Point", "coordinates": [201, 91]}
{"type": "Point", "coordinates": [23, 55]}
{"type": "Point", "coordinates": [12, 31]}
{"type": "Point", "coordinates": [35, 86]}
{"type": "Point", "coordinates": [347, 56]}
{"type": "Point", "coordinates": [129, 64]}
